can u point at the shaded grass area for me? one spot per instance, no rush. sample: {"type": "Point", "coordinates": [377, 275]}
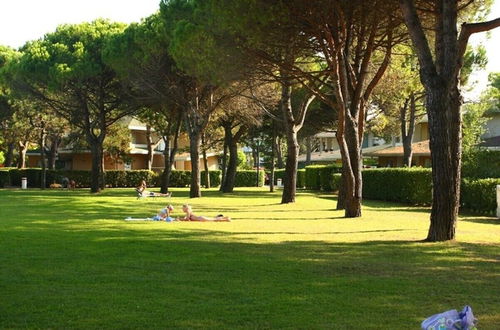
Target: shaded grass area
{"type": "Point", "coordinates": [70, 261]}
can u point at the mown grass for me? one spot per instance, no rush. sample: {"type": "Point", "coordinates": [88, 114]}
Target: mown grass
{"type": "Point", "coordinates": [69, 260]}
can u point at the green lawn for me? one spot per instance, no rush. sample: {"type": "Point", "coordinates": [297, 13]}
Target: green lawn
{"type": "Point", "coordinates": [69, 260]}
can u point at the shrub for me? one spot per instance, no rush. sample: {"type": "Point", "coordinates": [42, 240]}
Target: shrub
{"type": "Point", "coordinates": [313, 180]}
{"type": "Point", "coordinates": [318, 177]}
{"type": "Point", "coordinates": [215, 178]}
{"type": "Point", "coordinates": [325, 176]}
{"type": "Point", "coordinates": [479, 195]}
{"type": "Point", "coordinates": [335, 181]}
{"type": "Point", "coordinates": [180, 178]}
{"type": "Point", "coordinates": [301, 178]}
{"type": "Point", "coordinates": [481, 164]}
{"type": "Point", "coordinates": [248, 178]}
{"type": "Point", "coordinates": [4, 178]}
{"type": "Point", "coordinates": [407, 185]}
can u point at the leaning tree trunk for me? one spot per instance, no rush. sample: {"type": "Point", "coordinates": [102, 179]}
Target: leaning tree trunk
{"type": "Point", "coordinates": [443, 110]}
{"type": "Point", "coordinates": [194, 146]}
{"type": "Point", "coordinates": [9, 155]}
{"type": "Point", "coordinates": [169, 154]}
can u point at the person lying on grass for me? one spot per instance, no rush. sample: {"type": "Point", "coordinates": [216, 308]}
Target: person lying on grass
{"type": "Point", "coordinates": [141, 189]}
{"type": "Point", "coordinates": [164, 214]}
{"type": "Point", "coordinates": [190, 216]}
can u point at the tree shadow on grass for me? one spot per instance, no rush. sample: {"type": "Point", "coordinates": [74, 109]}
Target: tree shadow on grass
{"type": "Point", "coordinates": [211, 279]}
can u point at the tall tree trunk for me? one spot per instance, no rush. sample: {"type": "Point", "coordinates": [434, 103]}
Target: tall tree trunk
{"type": "Point", "coordinates": [232, 165]}
{"type": "Point", "coordinates": [23, 147]}
{"type": "Point", "coordinates": [290, 177]}
{"type": "Point", "coordinates": [96, 175]}
{"type": "Point", "coordinates": [408, 129]}
{"type": "Point", "coordinates": [439, 74]}
{"type": "Point", "coordinates": [351, 161]}
{"type": "Point", "coordinates": [445, 144]}
{"type": "Point", "coordinates": [205, 161]}
{"type": "Point", "coordinates": [169, 155]}
{"type": "Point", "coordinates": [273, 157]}
{"type": "Point", "coordinates": [194, 146]}
{"type": "Point", "coordinates": [43, 181]}
{"type": "Point", "coordinates": [224, 160]}
{"type": "Point", "coordinates": [52, 153]}
{"type": "Point", "coordinates": [279, 154]}
{"type": "Point", "coordinates": [308, 150]}
{"type": "Point", "coordinates": [9, 155]}
{"type": "Point", "coordinates": [149, 142]}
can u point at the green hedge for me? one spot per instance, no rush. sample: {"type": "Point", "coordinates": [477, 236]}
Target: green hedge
{"type": "Point", "coordinates": [215, 178]}
{"type": "Point", "coordinates": [301, 178]}
{"type": "Point", "coordinates": [318, 177]}
{"type": "Point", "coordinates": [406, 185]}
{"type": "Point", "coordinates": [479, 195]}
{"type": "Point", "coordinates": [4, 178]}
{"type": "Point", "coordinates": [248, 178]}
{"type": "Point", "coordinates": [335, 181]}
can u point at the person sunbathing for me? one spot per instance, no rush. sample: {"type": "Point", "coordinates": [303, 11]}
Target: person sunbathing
{"type": "Point", "coordinates": [190, 216]}
{"type": "Point", "coordinates": [142, 190]}
{"type": "Point", "coordinates": [164, 214]}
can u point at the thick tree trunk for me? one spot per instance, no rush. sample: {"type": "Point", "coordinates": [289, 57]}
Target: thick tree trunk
{"type": "Point", "coordinates": [445, 143]}
{"type": "Point", "coordinates": [231, 167]}
{"type": "Point", "coordinates": [23, 147]}
{"type": "Point", "coordinates": [290, 179]}
{"type": "Point", "coordinates": [194, 145]}
{"type": "Point", "coordinates": [149, 141]}
{"type": "Point", "coordinates": [9, 155]}
{"type": "Point", "coordinates": [52, 154]}
{"type": "Point", "coordinates": [96, 175]}
{"type": "Point", "coordinates": [351, 164]}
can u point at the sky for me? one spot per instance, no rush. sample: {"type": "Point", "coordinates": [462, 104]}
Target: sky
{"type": "Point", "coordinates": [24, 20]}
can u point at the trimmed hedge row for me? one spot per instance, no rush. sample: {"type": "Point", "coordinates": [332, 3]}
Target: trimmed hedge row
{"type": "Point", "coordinates": [479, 195]}
{"type": "Point", "coordinates": [405, 185]}
{"type": "Point", "coordinates": [113, 178]}
{"type": "Point", "coordinates": [248, 178]}
{"type": "Point", "coordinates": [4, 178]}
{"type": "Point", "coordinates": [319, 177]}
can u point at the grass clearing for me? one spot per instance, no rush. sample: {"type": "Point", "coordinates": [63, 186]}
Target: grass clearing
{"type": "Point", "coordinates": [69, 260]}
